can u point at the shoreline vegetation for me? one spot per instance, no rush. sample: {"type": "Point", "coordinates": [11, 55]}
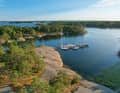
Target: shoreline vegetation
{"type": "Point", "coordinates": [96, 24]}
{"type": "Point", "coordinates": [50, 29]}
{"type": "Point", "coordinates": [11, 33]}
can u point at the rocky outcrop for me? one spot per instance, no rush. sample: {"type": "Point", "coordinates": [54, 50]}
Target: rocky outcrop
{"type": "Point", "coordinates": [54, 64]}
{"type": "Point", "coordinates": [50, 56]}
{"type": "Point", "coordinates": [52, 59]}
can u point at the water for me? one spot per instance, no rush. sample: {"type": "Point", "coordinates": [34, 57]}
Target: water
{"type": "Point", "coordinates": [104, 45]}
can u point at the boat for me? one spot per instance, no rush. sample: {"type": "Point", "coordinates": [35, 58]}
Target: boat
{"type": "Point", "coordinates": [83, 45]}
{"type": "Point", "coordinates": [71, 46]}
{"type": "Point", "coordinates": [64, 48]}
{"type": "Point", "coordinates": [75, 47]}
{"type": "Point", "coordinates": [67, 46]}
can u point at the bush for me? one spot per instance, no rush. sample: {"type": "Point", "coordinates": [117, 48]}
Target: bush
{"type": "Point", "coordinates": [22, 62]}
{"type": "Point", "coordinates": [21, 90]}
{"type": "Point", "coordinates": [38, 86]}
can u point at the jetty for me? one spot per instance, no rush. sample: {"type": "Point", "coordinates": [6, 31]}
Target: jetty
{"type": "Point", "coordinates": [73, 46]}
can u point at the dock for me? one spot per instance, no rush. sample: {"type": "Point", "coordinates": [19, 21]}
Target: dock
{"type": "Point", "coordinates": [73, 46]}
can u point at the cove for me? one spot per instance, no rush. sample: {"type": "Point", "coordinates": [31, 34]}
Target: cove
{"type": "Point", "coordinates": [101, 54]}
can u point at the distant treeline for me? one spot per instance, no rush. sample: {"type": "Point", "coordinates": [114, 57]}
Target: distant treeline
{"type": "Point", "coordinates": [98, 24]}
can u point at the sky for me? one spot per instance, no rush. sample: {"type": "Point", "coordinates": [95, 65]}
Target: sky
{"type": "Point", "coordinates": [30, 10]}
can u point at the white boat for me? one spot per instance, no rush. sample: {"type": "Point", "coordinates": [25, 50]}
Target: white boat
{"type": "Point", "coordinates": [70, 46]}
{"type": "Point", "coordinates": [73, 46]}
{"type": "Point", "coordinates": [64, 47]}
{"type": "Point", "coordinates": [76, 48]}
{"type": "Point", "coordinates": [83, 45]}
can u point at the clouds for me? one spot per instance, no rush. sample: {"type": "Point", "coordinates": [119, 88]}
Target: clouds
{"type": "Point", "coordinates": [87, 14]}
{"type": "Point", "coordinates": [101, 10]}
{"type": "Point", "coordinates": [107, 3]}
{"type": "Point", "coordinates": [96, 10]}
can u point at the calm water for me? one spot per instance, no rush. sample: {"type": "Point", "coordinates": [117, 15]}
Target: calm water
{"type": "Point", "coordinates": [104, 45]}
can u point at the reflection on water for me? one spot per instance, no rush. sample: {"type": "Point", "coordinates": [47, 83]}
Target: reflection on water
{"type": "Point", "coordinates": [101, 54]}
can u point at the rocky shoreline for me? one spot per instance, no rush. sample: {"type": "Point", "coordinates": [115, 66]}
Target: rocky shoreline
{"type": "Point", "coordinates": [54, 64]}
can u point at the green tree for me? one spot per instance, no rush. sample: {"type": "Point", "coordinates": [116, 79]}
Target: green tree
{"type": "Point", "coordinates": [5, 36]}
{"type": "Point", "coordinates": [17, 62]}
{"type": "Point", "coordinates": [2, 51]}
{"type": "Point", "coordinates": [39, 86]}
{"type": "Point", "coordinates": [61, 82]}
{"type": "Point", "coordinates": [21, 90]}
{"type": "Point", "coordinates": [23, 61]}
